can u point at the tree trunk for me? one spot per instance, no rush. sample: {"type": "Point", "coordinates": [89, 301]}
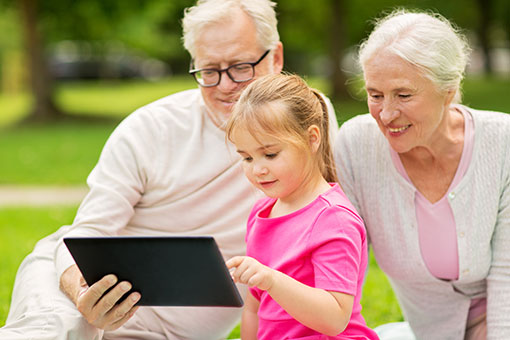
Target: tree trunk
{"type": "Point", "coordinates": [485, 7]}
{"type": "Point", "coordinates": [337, 38]}
{"type": "Point", "coordinates": [44, 108]}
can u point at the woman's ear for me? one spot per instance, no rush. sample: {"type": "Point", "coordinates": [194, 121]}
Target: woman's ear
{"type": "Point", "coordinates": [450, 96]}
{"type": "Point", "coordinates": [314, 138]}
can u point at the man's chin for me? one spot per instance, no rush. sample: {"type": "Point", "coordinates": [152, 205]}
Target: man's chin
{"type": "Point", "coordinates": [219, 115]}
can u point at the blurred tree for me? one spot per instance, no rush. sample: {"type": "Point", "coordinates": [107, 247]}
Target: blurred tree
{"type": "Point", "coordinates": [483, 30]}
{"type": "Point", "coordinates": [318, 36]}
{"type": "Point", "coordinates": [44, 107]}
{"type": "Point", "coordinates": [152, 27]}
{"type": "Point", "coordinates": [338, 43]}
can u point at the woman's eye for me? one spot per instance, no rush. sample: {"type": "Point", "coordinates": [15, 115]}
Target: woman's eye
{"type": "Point", "coordinates": [247, 159]}
{"type": "Point", "coordinates": [271, 155]}
{"type": "Point", "coordinates": [375, 96]}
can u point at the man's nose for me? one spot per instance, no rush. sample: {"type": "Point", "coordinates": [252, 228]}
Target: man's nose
{"type": "Point", "coordinates": [226, 84]}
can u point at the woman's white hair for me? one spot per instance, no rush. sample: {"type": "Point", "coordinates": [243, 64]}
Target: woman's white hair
{"type": "Point", "coordinates": [206, 12]}
{"type": "Point", "coordinates": [426, 40]}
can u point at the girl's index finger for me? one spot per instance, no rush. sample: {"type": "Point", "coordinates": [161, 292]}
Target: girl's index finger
{"type": "Point", "coordinates": [234, 262]}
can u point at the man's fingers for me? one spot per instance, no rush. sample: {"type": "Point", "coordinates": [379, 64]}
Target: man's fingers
{"type": "Point", "coordinates": [108, 313]}
{"type": "Point", "coordinates": [89, 297]}
{"type": "Point", "coordinates": [123, 320]}
{"type": "Point", "coordinates": [97, 290]}
{"type": "Point", "coordinates": [122, 310]}
{"type": "Point", "coordinates": [109, 300]}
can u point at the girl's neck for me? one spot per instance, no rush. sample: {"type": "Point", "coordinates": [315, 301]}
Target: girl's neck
{"type": "Point", "coordinates": [307, 193]}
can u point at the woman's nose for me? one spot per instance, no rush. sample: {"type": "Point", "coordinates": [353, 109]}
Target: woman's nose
{"type": "Point", "coordinates": [388, 114]}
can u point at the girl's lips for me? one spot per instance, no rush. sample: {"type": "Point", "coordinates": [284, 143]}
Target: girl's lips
{"type": "Point", "coordinates": [267, 184]}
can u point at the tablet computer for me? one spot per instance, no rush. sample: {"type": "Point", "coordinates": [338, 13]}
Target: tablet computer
{"type": "Point", "coordinates": [167, 271]}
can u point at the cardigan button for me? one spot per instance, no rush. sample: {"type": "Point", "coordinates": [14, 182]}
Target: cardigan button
{"type": "Point", "coordinates": [451, 195]}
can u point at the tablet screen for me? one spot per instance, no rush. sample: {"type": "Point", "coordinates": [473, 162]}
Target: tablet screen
{"type": "Point", "coordinates": [167, 271]}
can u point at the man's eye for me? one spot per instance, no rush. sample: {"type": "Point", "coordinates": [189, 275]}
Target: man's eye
{"type": "Point", "coordinates": [241, 67]}
{"type": "Point", "coordinates": [208, 73]}
{"type": "Point", "coordinates": [404, 96]}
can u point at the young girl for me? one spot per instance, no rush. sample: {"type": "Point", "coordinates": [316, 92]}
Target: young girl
{"type": "Point", "coordinates": [306, 244]}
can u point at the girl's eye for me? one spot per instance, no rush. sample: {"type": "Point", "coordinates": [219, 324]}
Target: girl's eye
{"type": "Point", "coordinates": [271, 155]}
{"type": "Point", "coordinates": [247, 159]}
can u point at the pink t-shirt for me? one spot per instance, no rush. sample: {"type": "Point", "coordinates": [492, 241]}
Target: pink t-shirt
{"type": "Point", "coordinates": [437, 230]}
{"type": "Point", "coordinates": [322, 245]}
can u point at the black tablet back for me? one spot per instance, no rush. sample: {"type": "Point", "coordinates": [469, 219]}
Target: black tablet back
{"type": "Point", "coordinates": [167, 271]}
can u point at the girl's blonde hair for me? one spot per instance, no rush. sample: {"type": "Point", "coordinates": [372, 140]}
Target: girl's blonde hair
{"type": "Point", "coordinates": [258, 112]}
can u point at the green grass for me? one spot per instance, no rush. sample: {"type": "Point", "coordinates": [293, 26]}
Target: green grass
{"type": "Point", "coordinates": [57, 154]}
{"type": "Point", "coordinates": [65, 152]}
{"type": "Point", "coordinates": [21, 228]}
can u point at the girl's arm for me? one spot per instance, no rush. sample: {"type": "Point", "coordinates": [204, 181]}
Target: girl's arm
{"type": "Point", "coordinates": [250, 320]}
{"type": "Point", "coordinates": [323, 311]}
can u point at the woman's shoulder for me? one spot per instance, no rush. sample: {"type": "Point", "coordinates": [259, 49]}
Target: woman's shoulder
{"type": "Point", "coordinates": [359, 133]}
{"type": "Point", "coordinates": [359, 126]}
{"type": "Point", "coordinates": [488, 117]}
{"type": "Point", "coordinates": [364, 121]}
{"type": "Point", "coordinates": [491, 126]}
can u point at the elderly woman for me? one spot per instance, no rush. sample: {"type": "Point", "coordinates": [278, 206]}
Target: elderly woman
{"type": "Point", "coordinates": [431, 179]}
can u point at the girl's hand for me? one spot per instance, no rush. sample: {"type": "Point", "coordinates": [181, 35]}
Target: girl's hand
{"type": "Point", "coordinates": [249, 271]}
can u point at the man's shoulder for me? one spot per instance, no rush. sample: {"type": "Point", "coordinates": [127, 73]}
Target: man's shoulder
{"type": "Point", "coordinates": [177, 101]}
{"type": "Point", "coordinates": [175, 111]}
{"type": "Point", "coordinates": [180, 106]}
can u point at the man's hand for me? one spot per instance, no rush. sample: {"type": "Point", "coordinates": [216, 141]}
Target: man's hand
{"type": "Point", "coordinates": [99, 309]}
{"type": "Point", "coordinates": [251, 272]}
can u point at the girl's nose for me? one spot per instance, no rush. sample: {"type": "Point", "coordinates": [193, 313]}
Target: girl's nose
{"type": "Point", "coordinates": [259, 170]}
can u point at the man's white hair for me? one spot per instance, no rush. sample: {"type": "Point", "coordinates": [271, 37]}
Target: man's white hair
{"type": "Point", "coordinates": [206, 12]}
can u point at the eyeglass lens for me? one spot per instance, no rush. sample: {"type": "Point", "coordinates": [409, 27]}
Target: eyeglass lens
{"type": "Point", "coordinates": [238, 73]}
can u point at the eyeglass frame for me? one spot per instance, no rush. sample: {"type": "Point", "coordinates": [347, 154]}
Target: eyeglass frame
{"type": "Point", "coordinates": [193, 72]}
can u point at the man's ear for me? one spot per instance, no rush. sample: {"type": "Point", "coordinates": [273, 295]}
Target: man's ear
{"type": "Point", "coordinates": [278, 58]}
{"type": "Point", "coordinates": [314, 138]}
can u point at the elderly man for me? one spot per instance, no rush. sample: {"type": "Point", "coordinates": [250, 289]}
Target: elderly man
{"type": "Point", "coordinates": [165, 170]}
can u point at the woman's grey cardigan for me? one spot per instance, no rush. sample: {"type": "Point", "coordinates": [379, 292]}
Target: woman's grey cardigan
{"type": "Point", "coordinates": [436, 309]}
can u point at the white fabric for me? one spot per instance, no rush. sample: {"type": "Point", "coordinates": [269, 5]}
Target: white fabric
{"type": "Point", "coordinates": [436, 309]}
{"type": "Point", "coordinates": [166, 170]}
{"type": "Point", "coordinates": [395, 331]}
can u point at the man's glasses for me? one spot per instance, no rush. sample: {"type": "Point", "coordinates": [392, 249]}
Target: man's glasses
{"type": "Point", "coordinates": [238, 73]}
